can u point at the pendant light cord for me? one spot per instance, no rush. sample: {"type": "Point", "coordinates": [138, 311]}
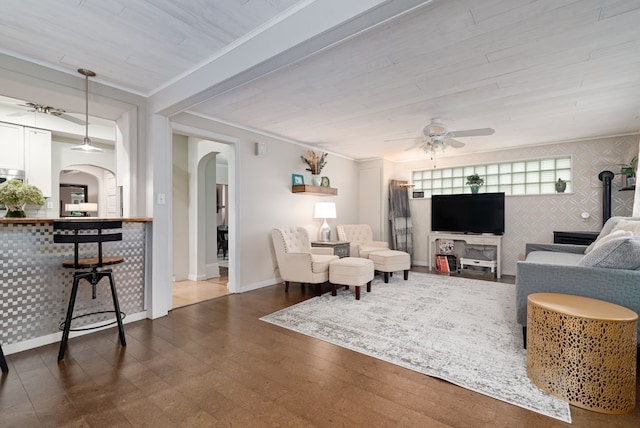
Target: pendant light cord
{"type": "Point", "coordinates": [86, 73]}
{"type": "Point", "coordinates": [86, 109]}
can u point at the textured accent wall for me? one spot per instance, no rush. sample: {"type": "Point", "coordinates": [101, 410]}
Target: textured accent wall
{"type": "Point", "coordinates": [35, 288]}
{"type": "Point", "coordinates": [534, 218]}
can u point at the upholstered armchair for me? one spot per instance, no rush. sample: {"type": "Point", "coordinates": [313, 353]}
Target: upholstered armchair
{"type": "Point", "coordinates": [361, 240]}
{"type": "Point", "coordinates": [298, 261]}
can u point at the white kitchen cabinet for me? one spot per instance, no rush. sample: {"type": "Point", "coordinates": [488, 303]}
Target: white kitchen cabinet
{"type": "Point", "coordinates": [11, 146]}
{"type": "Point", "coordinates": [37, 144]}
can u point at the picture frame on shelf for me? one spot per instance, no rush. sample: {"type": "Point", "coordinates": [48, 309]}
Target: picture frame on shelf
{"type": "Point", "coordinates": [325, 182]}
{"type": "Point", "coordinates": [446, 246]}
{"type": "Point", "coordinates": [297, 179]}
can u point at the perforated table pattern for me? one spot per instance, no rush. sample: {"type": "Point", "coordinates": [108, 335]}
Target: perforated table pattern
{"type": "Point", "coordinates": [34, 287]}
{"type": "Point", "coordinates": [583, 351]}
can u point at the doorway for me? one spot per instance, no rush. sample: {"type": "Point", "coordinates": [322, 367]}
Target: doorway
{"type": "Point", "coordinates": [200, 208]}
{"type": "Point", "coordinates": [88, 190]}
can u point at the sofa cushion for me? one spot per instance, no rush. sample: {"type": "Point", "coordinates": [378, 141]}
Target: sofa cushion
{"type": "Point", "coordinates": [608, 228]}
{"type": "Point", "coordinates": [616, 234]}
{"type": "Point", "coordinates": [618, 253]}
{"type": "Point", "coordinates": [554, 258]}
{"type": "Point", "coordinates": [627, 226]}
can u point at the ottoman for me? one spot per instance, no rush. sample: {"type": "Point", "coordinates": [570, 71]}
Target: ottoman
{"type": "Point", "coordinates": [351, 271]}
{"type": "Point", "coordinates": [389, 261]}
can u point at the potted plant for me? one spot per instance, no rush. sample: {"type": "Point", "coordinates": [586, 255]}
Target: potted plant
{"type": "Point", "coordinates": [15, 195]}
{"type": "Point", "coordinates": [628, 172]}
{"type": "Point", "coordinates": [315, 162]}
{"type": "Point", "coordinates": [475, 181]}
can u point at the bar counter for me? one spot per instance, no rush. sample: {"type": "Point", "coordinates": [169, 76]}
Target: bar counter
{"type": "Point", "coordinates": [34, 287]}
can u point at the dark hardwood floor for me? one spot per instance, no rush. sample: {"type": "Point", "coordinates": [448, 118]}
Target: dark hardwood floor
{"type": "Point", "coordinates": [215, 364]}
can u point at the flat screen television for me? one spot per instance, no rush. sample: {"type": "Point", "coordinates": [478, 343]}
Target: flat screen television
{"type": "Point", "coordinates": [468, 213]}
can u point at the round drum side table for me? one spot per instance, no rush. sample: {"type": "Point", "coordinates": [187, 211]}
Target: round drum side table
{"type": "Point", "coordinates": [583, 350]}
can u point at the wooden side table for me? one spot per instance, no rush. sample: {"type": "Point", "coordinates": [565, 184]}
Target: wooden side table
{"type": "Point", "coordinates": [583, 350]}
{"type": "Point", "coordinates": [340, 248]}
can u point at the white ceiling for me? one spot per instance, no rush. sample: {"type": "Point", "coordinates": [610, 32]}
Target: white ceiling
{"type": "Point", "coordinates": [536, 71]}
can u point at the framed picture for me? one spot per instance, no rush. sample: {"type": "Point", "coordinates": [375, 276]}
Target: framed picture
{"type": "Point", "coordinates": [297, 179]}
{"type": "Point", "coordinates": [325, 182]}
{"type": "Point", "coordinates": [418, 194]}
{"type": "Point", "coordinates": [446, 245]}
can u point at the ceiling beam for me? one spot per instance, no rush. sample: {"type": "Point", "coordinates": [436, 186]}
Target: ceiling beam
{"type": "Point", "coordinates": [305, 30]}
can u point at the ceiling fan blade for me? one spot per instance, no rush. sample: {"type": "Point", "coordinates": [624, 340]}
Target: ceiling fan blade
{"type": "Point", "coordinates": [419, 142]}
{"type": "Point", "coordinates": [19, 113]}
{"type": "Point", "coordinates": [471, 133]}
{"type": "Point", "coordinates": [71, 119]}
{"type": "Point", "coordinates": [399, 139]}
{"type": "Point", "coordinates": [454, 143]}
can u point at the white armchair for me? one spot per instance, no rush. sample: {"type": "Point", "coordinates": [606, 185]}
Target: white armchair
{"type": "Point", "coordinates": [298, 261]}
{"type": "Point", "coordinates": [361, 240]}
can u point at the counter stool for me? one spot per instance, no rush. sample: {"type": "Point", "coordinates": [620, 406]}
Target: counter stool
{"type": "Point", "coordinates": [3, 362]}
{"type": "Point", "coordinates": [92, 232]}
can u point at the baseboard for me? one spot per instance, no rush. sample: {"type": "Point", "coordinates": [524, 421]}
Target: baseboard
{"type": "Point", "coordinates": [261, 284]}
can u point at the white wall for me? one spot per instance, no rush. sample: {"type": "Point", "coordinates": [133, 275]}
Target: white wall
{"type": "Point", "coordinates": [180, 226]}
{"type": "Point", "coordinates": [264, 198]}
{"type": "Point", "coordinates": [63, 158]}
{"type": "Point", "coordinates": [534, 218]}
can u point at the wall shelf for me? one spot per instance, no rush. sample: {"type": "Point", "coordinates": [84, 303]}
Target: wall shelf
{"type": "Point", "coordinates": [314, 190]}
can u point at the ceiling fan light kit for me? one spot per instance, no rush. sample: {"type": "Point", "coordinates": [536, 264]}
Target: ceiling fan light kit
{"type": "Point", "coordinates": [86, 145]}
{"type": "Point", "coordinates": [435, 128]}
{"type": "Point", "coordinates": [438, 137]}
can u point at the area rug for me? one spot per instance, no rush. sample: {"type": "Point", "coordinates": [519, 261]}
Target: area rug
{"type": "Point", "coordinates": [461, 330]}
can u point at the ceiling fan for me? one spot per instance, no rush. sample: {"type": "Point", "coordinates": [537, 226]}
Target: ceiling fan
{"type": "Point", "coordinates": [53, 111]}
{"type": "Point", "coordinates": [438, 137]}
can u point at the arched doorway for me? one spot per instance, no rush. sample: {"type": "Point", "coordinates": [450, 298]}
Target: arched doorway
{"type": "Point", "coordinates": [200, 207]}
{"type": "Point", "coordinates": [89, 184]}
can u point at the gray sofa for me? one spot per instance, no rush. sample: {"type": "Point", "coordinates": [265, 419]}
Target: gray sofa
{"type": "Point", "coordinates": [610, 270]}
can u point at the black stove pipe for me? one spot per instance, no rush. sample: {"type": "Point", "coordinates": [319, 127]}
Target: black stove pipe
{"type": "Point", "coordinates": [606, 177]}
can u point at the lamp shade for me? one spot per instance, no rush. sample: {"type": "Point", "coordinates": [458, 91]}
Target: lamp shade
{"type": "Point", "coordinates": [325, 210]}
{"type": "Point", "coordinates": [88, 207]}
{"type": "Point", "coordinates": [72, 207]}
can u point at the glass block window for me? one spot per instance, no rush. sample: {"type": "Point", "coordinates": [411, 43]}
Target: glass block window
{"type": "Point", "coordinates": [531, 177]}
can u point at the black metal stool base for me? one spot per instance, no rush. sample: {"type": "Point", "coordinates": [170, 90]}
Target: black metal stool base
{"type": "Point", "coordinates": [3, 362]}
{"type": "Point", "coordinates": [122, 316]}
{"type": "Point", "coordinates": [93, 277]}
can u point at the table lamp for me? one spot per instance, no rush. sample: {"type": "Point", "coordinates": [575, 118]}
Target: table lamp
{"type": "Point", "coordinates": [73, 209]}
{"type": "Point", "coordinates": [86, 207]}
{"type": "Point", "coordinates": [325, 210]}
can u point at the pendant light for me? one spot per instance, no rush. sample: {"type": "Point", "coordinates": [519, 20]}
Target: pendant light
{"type": "Point", "coordinates": [86, 144]}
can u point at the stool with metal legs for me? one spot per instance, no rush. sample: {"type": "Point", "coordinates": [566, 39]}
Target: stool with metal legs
{"type": "Point", "coordinates": [90, 269]}
{"type": "Point", "coordinates": [3, 362]}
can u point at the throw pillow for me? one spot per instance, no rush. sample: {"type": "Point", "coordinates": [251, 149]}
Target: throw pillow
{"type": "Point", "coordinates": [618, 253]}
{"type": "Point", "coordinates": [613, 235]}
{"type": "Point", "coordinates": [626, 225]}
{"type": "Point", "coordinates": [608, 228]}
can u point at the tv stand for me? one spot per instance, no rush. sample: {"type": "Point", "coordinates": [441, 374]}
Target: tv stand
{"type": "Point", "coordinates": [492, 240]}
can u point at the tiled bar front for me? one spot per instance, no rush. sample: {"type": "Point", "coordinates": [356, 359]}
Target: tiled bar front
{"type": "Point", "coordinates": [35, 288]}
